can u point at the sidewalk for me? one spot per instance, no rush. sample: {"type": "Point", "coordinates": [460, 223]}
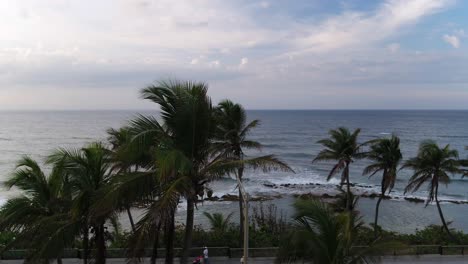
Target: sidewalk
{"type": "Point", "coordinates": [431, 259]}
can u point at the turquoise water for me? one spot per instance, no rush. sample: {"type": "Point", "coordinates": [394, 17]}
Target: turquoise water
{"type": "Point", "coordinates": [292, 135]}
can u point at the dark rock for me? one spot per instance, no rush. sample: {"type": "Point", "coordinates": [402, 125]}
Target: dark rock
{"type": "Point", "coordinates": [414, 199]}
{"type": "Point", "coordinates": [213, 198]}
{"type": "Point", "coordinates": [230, 197]}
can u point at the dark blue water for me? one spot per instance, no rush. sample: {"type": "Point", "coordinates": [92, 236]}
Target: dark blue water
{"type": "Point", "coordinates": [292, 135]}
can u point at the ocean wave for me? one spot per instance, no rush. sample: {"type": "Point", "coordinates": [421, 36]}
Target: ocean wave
{"type": "Point", "coordinates": [452, 136]}
{"type": "Point", "coordinates": [297, 155]}
{"type": "Point", "coordinates": [309, 182]}
{"type": "Point", "coordinates": [272, 145]}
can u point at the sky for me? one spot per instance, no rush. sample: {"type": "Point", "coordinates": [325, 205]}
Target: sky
{"type": "Point", "coordinates": [301, 54]}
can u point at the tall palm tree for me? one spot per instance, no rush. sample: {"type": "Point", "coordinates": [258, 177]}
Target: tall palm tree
{"type": "Point", "coordinates": [185, 158]}
{"type": "Point", "coordinates": [342, 147]}
{"type": "Point", "coordinates": [123, 159]}
{"type": "Point", "coordinates": [187, 114]}
{"type": "Point", "coordinates": [38, 214]}
{"type": "Point", "coordinates": [231, 140]}
{"type": "Point", "coordinates": [385, 156]}
{"type": "Point", "coordinates": [89, 171]}
{"type": "Point", "coordinates": [323, 236]}
{"type": "Point", "coordinates": [464, 163]}
{"type": "Point", "coordinates": [432, 165]}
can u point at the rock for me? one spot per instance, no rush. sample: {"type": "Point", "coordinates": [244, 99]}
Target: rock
{"type": "Point", "coordinates": [373, 195]}
{"type": "Point", "coordinates": [230, 197]}
{"type": "Point", "coordinates": [414, 199]}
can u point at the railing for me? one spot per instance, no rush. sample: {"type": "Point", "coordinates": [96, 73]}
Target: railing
{"type": "Point", "coordinates": [426, 250]}
{"type": "Point", "coordinates": [253, 252]}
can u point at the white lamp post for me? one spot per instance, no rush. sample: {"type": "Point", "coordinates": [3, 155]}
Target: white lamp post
{"type": "Point", "coordinates": [245, 201]}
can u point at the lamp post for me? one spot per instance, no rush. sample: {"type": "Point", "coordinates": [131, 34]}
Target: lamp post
{"type": "Point", "coordinates": [245, 201]}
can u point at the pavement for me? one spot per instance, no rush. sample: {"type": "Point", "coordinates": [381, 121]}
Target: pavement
{"type": "Point", "coordinates": [431, 259]}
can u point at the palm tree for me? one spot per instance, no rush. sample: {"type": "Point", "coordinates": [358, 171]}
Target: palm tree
{"type": "Point", "coordinates": [124, 159]}
{"type": "Point", "coordinates": [89, 171]}
{"type": "Point", "coordinates": [464, 163]}
{"type": "Point", "coordinates": [342, 147]}
{"type": "Point", "coordinates": [323, 236]}
{"type": "Point", "coordinates": [231, 140]}
{"type": "Point", "coordinates": [218, 222]}
{"type": "Point", "coordinates": [184, 156]}
{"type": "Point", "coordinates": [432, 165]}
{"type": "Point", "coordinates": [188, 120]}
{"type": "Point", "coordinates": [37, 216]}
{"type": "Point", "coordinates": [385, 156]}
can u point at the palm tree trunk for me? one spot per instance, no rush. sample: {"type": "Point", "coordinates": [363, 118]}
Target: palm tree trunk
{"type": "Point", "coordinates": [382, 194]}
{"type": "Point", "coordinates": [349, 203]}
{"type": "Point", "coordinates": [130, 217]}
{"type": "Point", "coordinates": [85, 243]}
{"type": "Point", "coordinates": [377, 214]}
{"type": "Point", "coordinates": [441, 214]}
{"type": "Point", "coordinates": [154, 254]}
{"type": "Point", "coordinates": [100, 244]}
{"type": "Point", "coordinates": [188, 230]}
{"type": "Point", "coordinates": [129, 213]}
{"type": "Point", "coordinates": [169, 234]}
{"type": "Point", "coordinates": [240, 173]}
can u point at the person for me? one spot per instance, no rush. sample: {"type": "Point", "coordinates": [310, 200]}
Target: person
{"type": "Point", "coordinates": [205, 256]}
{"type": "Point", "coordinates": [198, 260]}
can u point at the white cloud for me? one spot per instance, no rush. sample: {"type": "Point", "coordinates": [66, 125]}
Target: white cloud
{"type": "Point", "coordinates": [225, 51]}
{"type": "Point", "coordinates": [214, 64]}
{"type": "Point", "coordinates": [352, 28]}
{"type": "Point", "coordinates": [126, 44]}
{"type": "Point", "coordinates": [452, 40]}
{"type": "Point", "coordinates": [244, 61]}
{"type": "Point", "coordinates": [265, 4]}
{"type": "Point", "coordinates": [393, 47]}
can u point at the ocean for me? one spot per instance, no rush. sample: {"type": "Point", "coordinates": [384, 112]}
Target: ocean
{"type": "Point", "coordinates": [292, 135]}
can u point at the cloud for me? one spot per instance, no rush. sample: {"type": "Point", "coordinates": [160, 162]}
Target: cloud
{"type": "Point", "coordinates": [264, 4]}
{"type": "Point", "coordinates": [393, 47]}
{"type": "Point", "coordinates": [452, 40]}
{"type": "Point", "coordinates": [123, 44]}
{"type": "Point", "coordinates": [215, 64]}
{"type": "Point", "coordinates": [243, 62]}
{"type": "Point", "coordinates": [353, 28]}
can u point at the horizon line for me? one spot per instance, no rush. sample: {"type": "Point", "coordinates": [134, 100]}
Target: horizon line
{"type": "Point", "coordinates": [248, 109]}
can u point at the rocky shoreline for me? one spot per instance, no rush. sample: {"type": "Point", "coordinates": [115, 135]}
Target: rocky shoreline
{"type": "Point", "coordinates": [321, 194]}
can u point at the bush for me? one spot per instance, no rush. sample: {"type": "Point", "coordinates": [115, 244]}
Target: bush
{"type": "Point", "coordinates": [6, 238]}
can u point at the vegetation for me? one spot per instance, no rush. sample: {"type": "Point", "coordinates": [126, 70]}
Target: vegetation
{"type": "Point", "coordinates": [385, 156]}
{"type": "Point", "coordinates": [324, 236]}
{"type": "Point", "coordinates": [231, 141]}
{"type": "Point", "coordinates": [433, 165]}
{"type": "Point", "coordinates": [342, 147]}
{"type": "Point", "coordinates": [39, 217]}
